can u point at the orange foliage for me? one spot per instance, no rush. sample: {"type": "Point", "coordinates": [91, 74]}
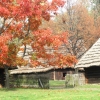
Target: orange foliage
{"type": "Point", "coordinates": [20, 21]}
{"type": "Point", "coordinates": [44, 40]}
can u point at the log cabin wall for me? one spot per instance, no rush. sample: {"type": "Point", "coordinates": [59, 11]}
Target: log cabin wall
{"type": "Point", "coordinates": [59, 74]}
{"type": "Point", "coordinates": [81, 77]}
{"type": "Point", "coordinates": [92, 74]}
{"type": "Point", "coordinates": [34, 80]}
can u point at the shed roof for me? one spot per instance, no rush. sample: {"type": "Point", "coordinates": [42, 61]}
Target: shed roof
{"type": "Point", "coordinates": [34, 69]}
{"type": "Point", "coordinates": [29, 70]}
{"type": "Point", "coordinates": [91, 57]}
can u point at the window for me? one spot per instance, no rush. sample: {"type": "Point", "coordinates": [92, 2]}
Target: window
{"type": "Point", "coordinates": [64, 74]}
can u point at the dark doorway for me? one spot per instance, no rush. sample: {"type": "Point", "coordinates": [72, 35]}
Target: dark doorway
{"type": "Point", "coordinates": [2, 77]}
{"type": "Point", "coordinates": [64, 74]}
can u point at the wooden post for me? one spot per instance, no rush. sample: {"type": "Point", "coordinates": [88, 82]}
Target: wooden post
{"type": "Point", "coordinates": [54, 75]}
{"type": "Point", "coordinates": [41, 83]}
{"type": "Point", "coordinates": [76, 71]}
{"type": "Point", "coordinates": [77, 79]}
{"type": "Point", "coordinates": [6, 77]}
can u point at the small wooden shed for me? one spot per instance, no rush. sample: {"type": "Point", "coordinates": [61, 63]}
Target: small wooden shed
{"type": "Point", "coordinates": [55, 72]}
{"type": "Point", "coordinates": [90, 61]}
{"type": "Point", "coordinates": [38, 76]}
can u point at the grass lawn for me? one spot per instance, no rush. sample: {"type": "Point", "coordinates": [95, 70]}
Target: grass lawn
{"type": "Point", "coordinates": [56, 83]}
{"type": "Point", "coordinates": [86, 92]}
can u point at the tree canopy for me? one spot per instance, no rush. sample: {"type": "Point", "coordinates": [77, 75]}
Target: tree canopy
{"type": "Point", "coordinates": [20, 21]}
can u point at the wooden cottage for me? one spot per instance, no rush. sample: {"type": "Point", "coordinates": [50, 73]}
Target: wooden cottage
{"type": "Point", "coordinates": [90, 61]}
{"type": "Point", "coordinates": [30, 76]}
{"type": "Point", "coordinates": [55, 72]}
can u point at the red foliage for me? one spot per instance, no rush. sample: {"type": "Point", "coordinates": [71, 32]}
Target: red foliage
{"type": "Point", "coordinates": [4, 48]}
{"type": "Point", "coordinates": [44, 41]}
{"type": "Point", "coordinates": [20, 22]}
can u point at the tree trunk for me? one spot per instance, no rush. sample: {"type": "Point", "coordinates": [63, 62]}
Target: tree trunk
{"type": "Point", "coordinates": [76, 71]}
{"type": "Point", "coordinates": [6, 77]}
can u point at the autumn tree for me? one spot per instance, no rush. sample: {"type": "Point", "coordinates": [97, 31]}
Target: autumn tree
{"type": "Point", "coordinates": [95, 5]}
{"type": "Point", "coordinates": [20, 21]}
{"type": "Point", "coordinates": [76, 19]}
{"type": "Point", "coordinates": [80, 23]}
{"type": "Point", "coordinates": [95, 12]}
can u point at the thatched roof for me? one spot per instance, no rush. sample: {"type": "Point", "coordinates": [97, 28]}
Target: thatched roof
{"type": "Point", "coordinates": [30, 70]}
{"type": "Point", "coordinates": [91, 57]}
{"type": "Point", "coordinates": [34, 70]}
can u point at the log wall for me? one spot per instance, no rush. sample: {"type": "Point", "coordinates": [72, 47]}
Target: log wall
{"type": "Point", "coordinates": [30, 80]}
{"type": "Point", "coordinates": [92, 75]}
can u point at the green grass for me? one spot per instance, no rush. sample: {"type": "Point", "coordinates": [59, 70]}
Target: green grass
{"type": "Point", "coordinates": [97, 86]}
{"type": "Point", "coordinates": [51, 94]}
{"type": "Point", "coordinates": [57, 83]}
{"type": "Point", "coordinates": [86, 92]}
